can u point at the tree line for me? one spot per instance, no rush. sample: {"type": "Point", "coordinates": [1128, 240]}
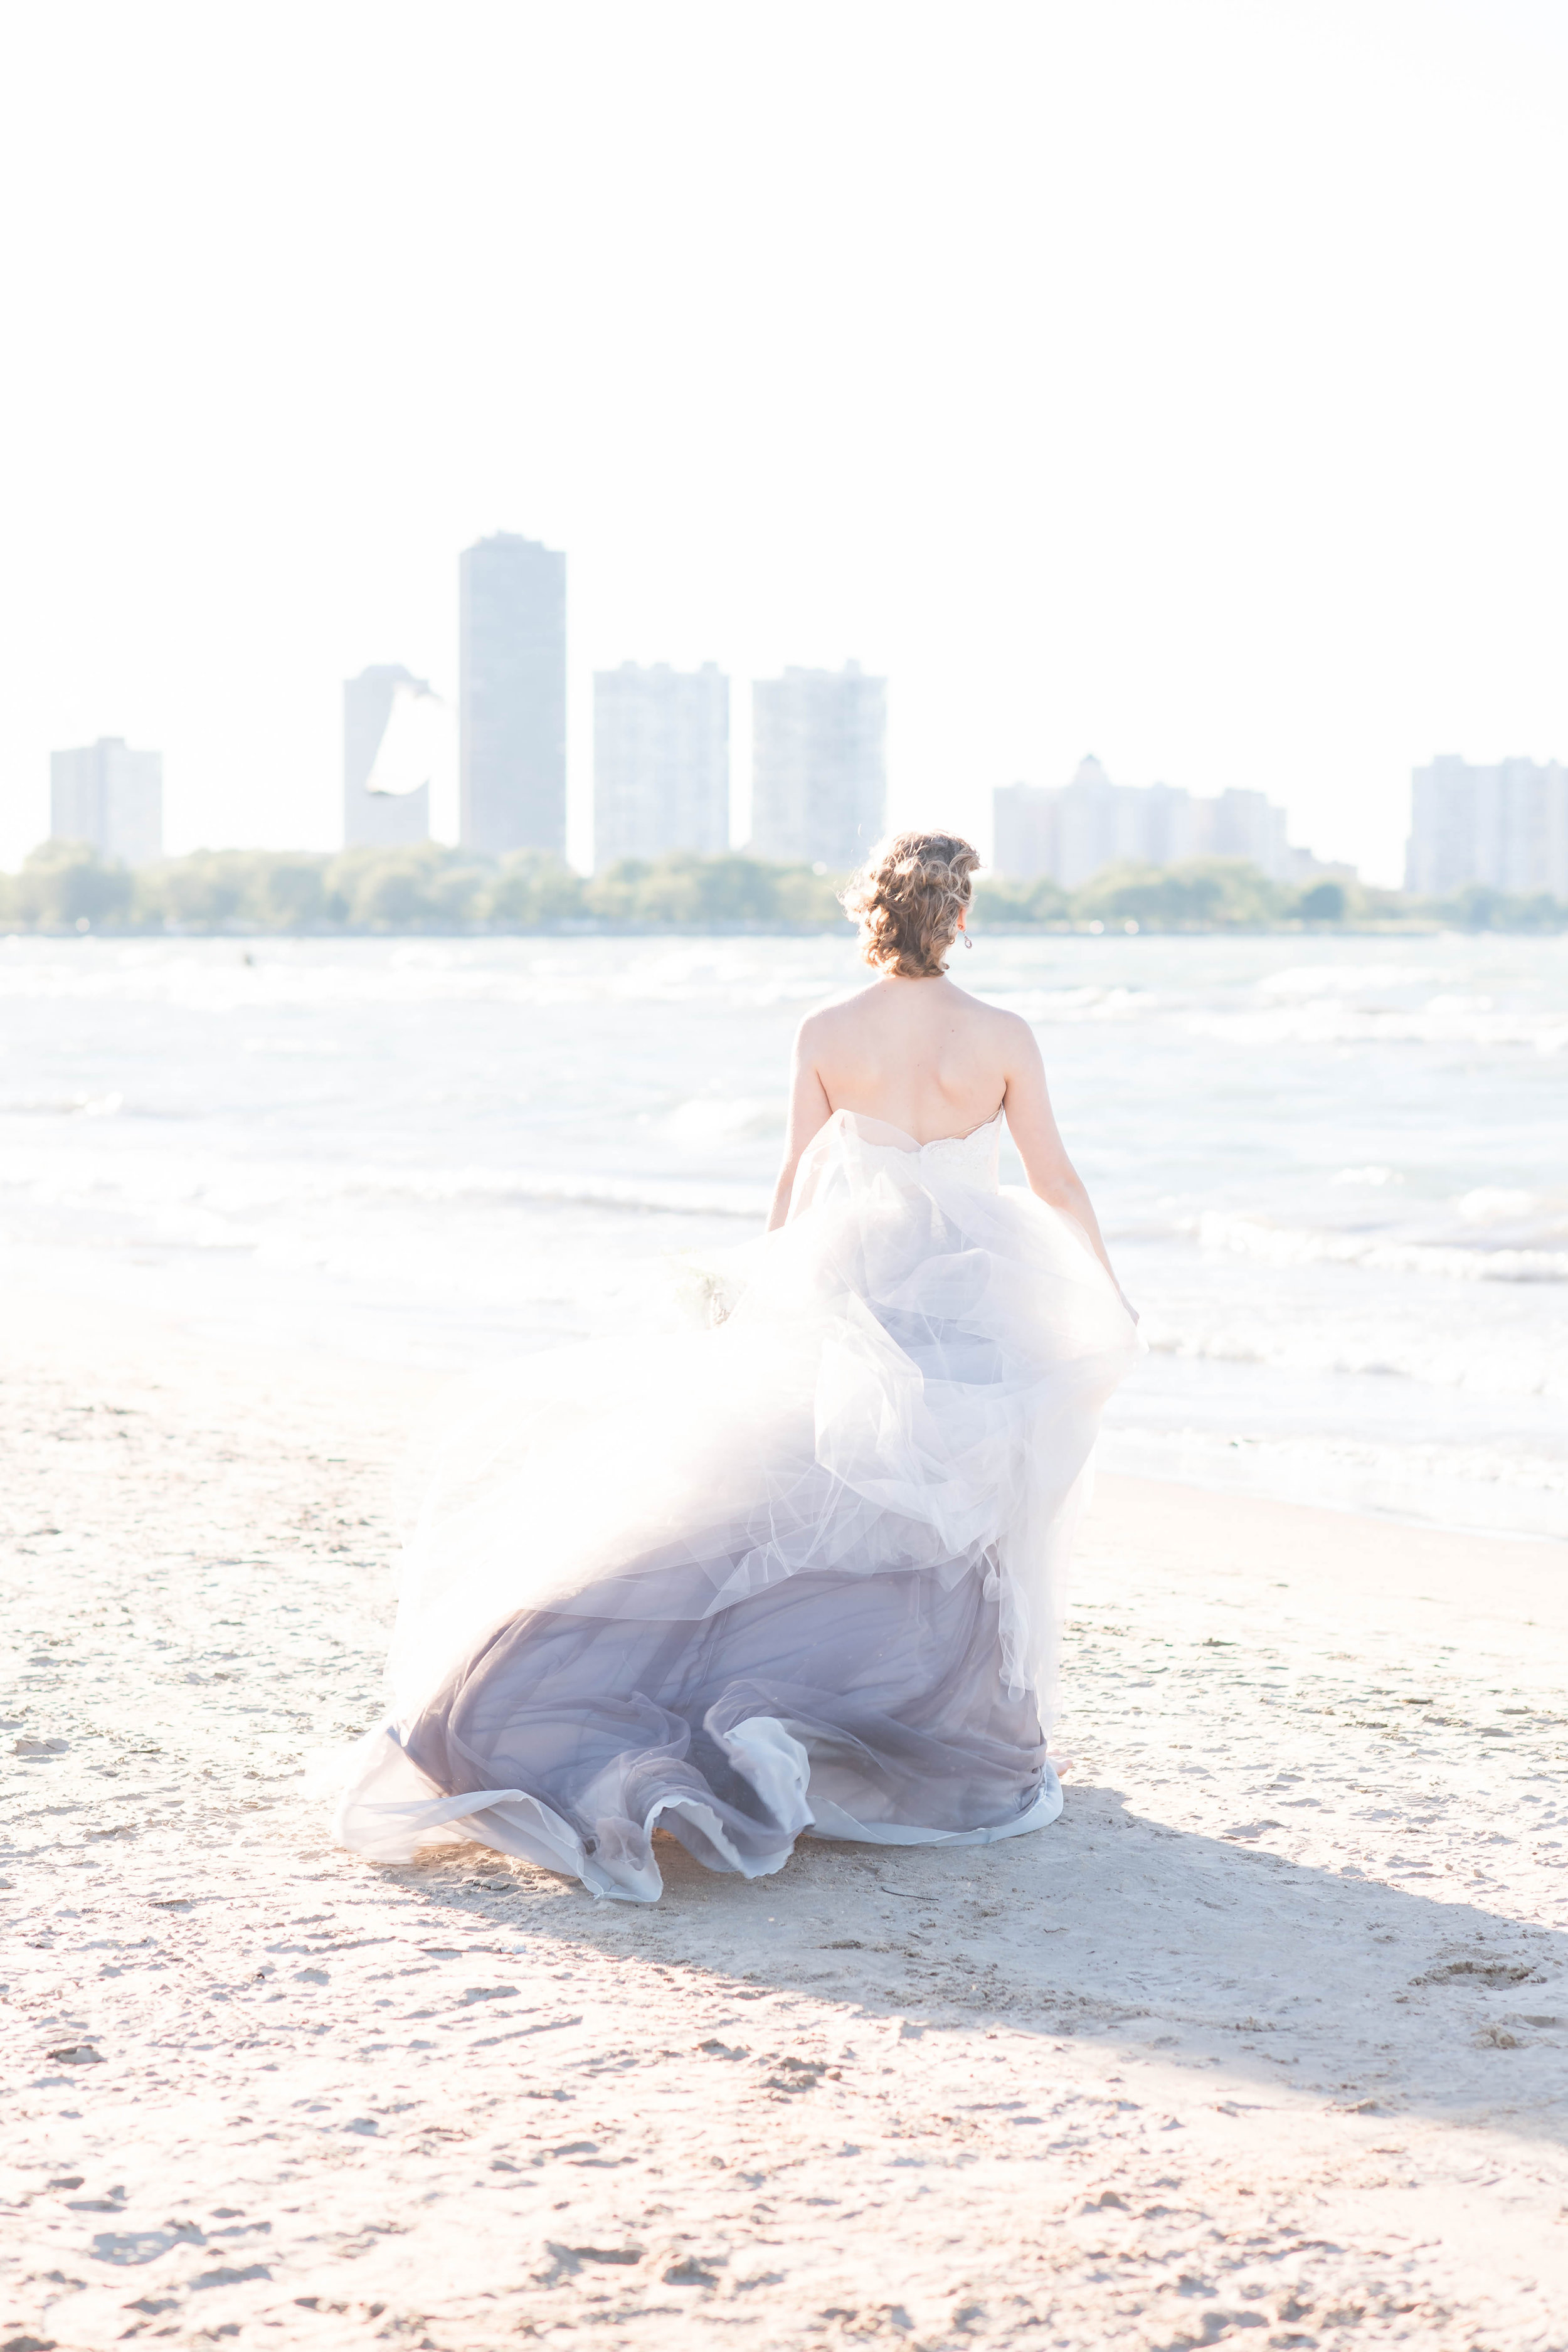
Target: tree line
{"type": "Point", "coordinates": [66, 886]}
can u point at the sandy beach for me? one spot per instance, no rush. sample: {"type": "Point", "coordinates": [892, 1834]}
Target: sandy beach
{"type": "Point", "coordinates": [1269, 2034]}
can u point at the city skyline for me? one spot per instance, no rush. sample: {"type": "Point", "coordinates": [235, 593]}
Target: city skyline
{"type": "Point", "coordinates": [511, 695]}
{"type": "Point", "coordinates": [819, 766]}
{"type": "Point", "coordinates": [492, 772]}
{"type": "Point", "coordinates": [111, 796]}
{"type": "Point", "coordinates": [1160, 473]}
{"type": "Point", "coordinates": [1074, 830]}
{"type": "Point", "coordinates": [377, 819]}
{"type": "Point", "coordinates": [1503, 824]}
{"type": "Point", "coordinates": [662, 760]}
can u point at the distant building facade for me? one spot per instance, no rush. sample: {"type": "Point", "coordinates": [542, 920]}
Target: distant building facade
{"type": "Point", "coordinates": [512, 696]}
{"type": "Point", "coordinates": [819, 768]}
{"type": "Point", "coordinates": [1070, 831]}
{"type": "Point", "coordinates": [372, 819]}
{"type": "Point", "coordinates": [109, 796]}
{"type": "Point", "coordinates": [662, 760]}
{"type": "Point", "coordinates": [1504, 826]}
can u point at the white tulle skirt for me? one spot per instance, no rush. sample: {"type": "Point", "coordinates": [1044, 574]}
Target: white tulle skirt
{"type": "Point", "coordinates": [798, 1570]}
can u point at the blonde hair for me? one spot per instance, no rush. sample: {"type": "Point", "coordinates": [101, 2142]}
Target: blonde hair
{"type": "Point", "coordinates": [908, 899]}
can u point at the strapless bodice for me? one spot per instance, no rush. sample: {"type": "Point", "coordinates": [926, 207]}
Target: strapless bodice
{"type": "Point", "coordinates": [854, 1147]}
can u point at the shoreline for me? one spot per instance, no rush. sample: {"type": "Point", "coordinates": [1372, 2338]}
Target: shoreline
{"type": "Point", "coordinates": [1413, 927]}
{"type": "Point", "coordinates": [1233, 2043]}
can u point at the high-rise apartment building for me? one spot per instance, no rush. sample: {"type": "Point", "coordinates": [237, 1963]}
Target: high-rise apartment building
{"type": "Point", "coordinates": [109, 796]}
{"type": "Point", "coordinates": [1504, 826]}
{"type": "Point", "coordinates": [820, 783]}
{"type": "Point", "coordinates": [513, 696]}
{"type": "Point", "coordinates": [1071, 831]}
{"type": "Point", "coordinates": [662, 760]}
{"type": "Point", "coordinates": [377, 819]}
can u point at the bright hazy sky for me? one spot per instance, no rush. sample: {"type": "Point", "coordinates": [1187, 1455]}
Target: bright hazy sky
{"type": "Point", "coordinates": [1171, 379]}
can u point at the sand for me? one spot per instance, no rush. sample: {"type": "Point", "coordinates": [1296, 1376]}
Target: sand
{"type": "Point", "coordinates": [1268, 2038]}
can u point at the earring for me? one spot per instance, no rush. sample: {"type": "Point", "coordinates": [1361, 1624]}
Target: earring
{"type": "Point", "coordinates": [967, 941]}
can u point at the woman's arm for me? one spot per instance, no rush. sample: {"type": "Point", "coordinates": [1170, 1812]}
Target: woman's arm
{"type": "Point", "coordinates": [1051, 1174]}
{"type": "Point", "coordinates": [809, 1111]}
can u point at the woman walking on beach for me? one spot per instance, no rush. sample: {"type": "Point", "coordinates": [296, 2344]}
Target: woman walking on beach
{"type": "Point", "coordinates": [801, 1570]}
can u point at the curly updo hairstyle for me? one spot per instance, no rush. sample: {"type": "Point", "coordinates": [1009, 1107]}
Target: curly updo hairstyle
{"type": "Point", "coordinates": [908, 897]}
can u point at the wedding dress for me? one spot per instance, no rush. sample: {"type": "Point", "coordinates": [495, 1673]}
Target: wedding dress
{"type": "Point", "coordinates": [800, 1571]}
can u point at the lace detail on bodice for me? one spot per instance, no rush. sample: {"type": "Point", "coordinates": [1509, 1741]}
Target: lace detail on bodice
{"type": "Point", "coordinates": [854, 1148]}
{"type": "Point", "coordinates": [973, 1157]}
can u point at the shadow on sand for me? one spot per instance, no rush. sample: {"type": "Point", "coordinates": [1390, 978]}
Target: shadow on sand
{"type": "Point", "coordinates": [1394, 2000]}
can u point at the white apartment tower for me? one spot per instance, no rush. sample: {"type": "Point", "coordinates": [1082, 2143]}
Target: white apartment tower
{"type": "Point", "coordinates": [1071, 831]}
{"type": "Point", "coordinates": [512, 694]}
{"type": "Point", "coordinates": [1505, 825]}
{"type": "Point", "coordinates": [109, 796]}
{"type": "Point", "coordinates": [371, 818]}
{"type": "Point", "coordinates": [662, 761]}
{"type": "Point", "coordinates": [820, 783]}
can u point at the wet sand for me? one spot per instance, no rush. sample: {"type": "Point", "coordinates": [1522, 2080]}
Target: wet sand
{"type": "Point", "coordinates": [1267, 2038]}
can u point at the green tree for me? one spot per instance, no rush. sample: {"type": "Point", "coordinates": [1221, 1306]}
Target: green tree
{"type": "Point", "coordinates": [422, 888]}
{"type": "Point", "coordinates": [1209, 893]}
{"type": "Point", "coordinates": [683, 888]}
{"type": "Point", "coordinates": [1478, 908]}
{"type": "Point", "coordinates": [672, 889]}
{"type": "Point", "coordinates": [66, 886]}
{"type": "Point", "coordinates": [612, 896]}
{"type": "Point", "coordinates": [801, 895]}
{"type": "Point", "coordinates": [533, 888]}
{"type": "Point", "coordinates": [286, 892]}
{"type": "Point", "coordinates": [1323, 903]}
{"type": "Point", "coordinates": [1019, 898]}
{"type": "Point", "coordinates": [203, 892]}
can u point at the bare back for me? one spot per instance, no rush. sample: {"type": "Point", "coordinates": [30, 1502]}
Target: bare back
{"type": "Point", "coordinates": [926, 1058]}
{"type": "Point", "coordinates": [922, 1055]}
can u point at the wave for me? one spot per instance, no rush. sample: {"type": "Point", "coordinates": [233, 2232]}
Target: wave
{"type": "Point", "coordinates": [1510, 1363]}
{"type": "Point", "coordinates": [213, 977]}
{"type": "Point", "coordinates": [103, 1106]}
{"type": "Point", "coordinates": [651, 1195]}
{"type": "Point", "coordinates": [728, 1118]}
{"type": "Point", "coordinates": [1083, 1004]}
{"type": "Point", "coordinates": [1502, 996]}
{"type": "Point", "coordinates": [223, 1190]}
{"type": "Point", "coordinates": [1473, 1488]}
{"type": "Point", "coordinates": [1540, 1258]}
{"type": "Point", "coordinates": [1308, 980]}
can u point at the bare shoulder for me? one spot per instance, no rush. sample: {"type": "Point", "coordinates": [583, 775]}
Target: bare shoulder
{"type": "Point", "coordinates": [1007, 1033]}
{"type": "Point", "coordinates": [831, 1020]}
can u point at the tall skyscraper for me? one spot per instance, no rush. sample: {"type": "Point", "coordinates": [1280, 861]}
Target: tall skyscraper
{"type": "Point", "coordinates": [1022, 830]}
{"type": "Point", "coordinates": [512, 698]}
{"type": "Point", "coordinates": [819, 783]}
{"type": "Point", "coordinates": [662, 760]}
{"type": "Point", "coordinates": [109, 796]}
{"type": "Point", "coordinates": [1071, 831]}
{"type": "Point", "coordinates": [378, 820]}
{"type": "Point", "coordinates": [1504, 826]}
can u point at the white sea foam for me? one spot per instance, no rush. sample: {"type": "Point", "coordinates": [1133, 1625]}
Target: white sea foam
{"type": "Point", "coordinates": [223, 1190]}
{"type": "Point", "coordinates": [1471, 1486]}
{"type": "Point", "coordinates": [1271, 1243]}
{"type": "Point", "coordinates": [1507, 1364]}
{"type": "Point", "coordinates": [1331, 1173]}
{"type": "Point", "coordinates": [1348, 979]}
{"type": "Point", "coordinates": [213, 978]}
{"type": "Point", "coordinates": [1335, 1021]}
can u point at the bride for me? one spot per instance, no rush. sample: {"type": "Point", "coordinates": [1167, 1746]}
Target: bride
{"type": "Point", "coordinates": [800, 1571]}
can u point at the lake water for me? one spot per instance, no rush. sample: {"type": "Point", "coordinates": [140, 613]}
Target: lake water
{"type": "Point", "coordinates": [1333, 1172]}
